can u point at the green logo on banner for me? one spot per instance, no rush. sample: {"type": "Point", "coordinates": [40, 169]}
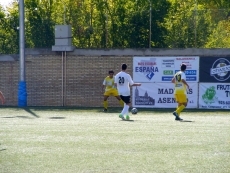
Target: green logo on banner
{"type": "Point", "coordinates": [168, 72]}
{"type": "Point", "coordinates": [210, 95]}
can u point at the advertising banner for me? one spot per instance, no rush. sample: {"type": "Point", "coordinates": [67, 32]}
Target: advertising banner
{"type": "Point", "coordinates": [214, 96]}
{"type": "Point", "coordinates": [160, 95]}
{"type": "Point", "coordinates": [214, 69]}
{"type": "Point", "coordinates": [162, 69]}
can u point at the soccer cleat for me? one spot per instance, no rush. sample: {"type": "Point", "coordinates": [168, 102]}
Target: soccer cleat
{"type": "Point", "coordinates": [105, 110]}
{"type": "Point", "coordinates": [127, 117]}
{"type": "Point", "coordinates": [178, 119]}
{"type": "Point", "coordinates": [176, 114]}
{"type": "Point", "coordinates": [121, 116]}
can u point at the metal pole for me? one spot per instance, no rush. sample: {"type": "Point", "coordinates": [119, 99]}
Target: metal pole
{"type": "Point", "coordinates": [62, 78]}
{"type": "Point", "coordinates": [22, 40]}
{"type": "Point", "coordinates": [65, 82]}
{"type": "Point", "coordinates": [150, 23]}
{"type": "Point", "coordinates": [195, 33]}
{"type": "Point", "coordinates": [22, 94]}
{"type": "Point", "coordinates": [64, 13]}
{"type": "Point", "coordinates": [106, 31]}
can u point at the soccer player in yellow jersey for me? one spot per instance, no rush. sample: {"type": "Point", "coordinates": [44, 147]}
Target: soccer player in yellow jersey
{"type": "Point", "coordinates": [110, 90]}
{"type": "Point", "coordinates": [180, 91]}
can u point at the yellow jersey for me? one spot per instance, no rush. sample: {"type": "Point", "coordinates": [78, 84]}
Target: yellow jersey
{"type": "Point", "coordinates": [180, 87]}
{"type": "Point", "coordinates": [109, 83]}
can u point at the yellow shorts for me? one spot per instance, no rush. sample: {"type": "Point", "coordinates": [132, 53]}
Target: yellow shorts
{"type": "Point", "coordinates": [181, 98]}
{"type": "Point", "coordinates": [112, 92]}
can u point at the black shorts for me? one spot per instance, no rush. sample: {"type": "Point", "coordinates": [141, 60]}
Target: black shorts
{"type": "Point", "coordinates": [125, 99]}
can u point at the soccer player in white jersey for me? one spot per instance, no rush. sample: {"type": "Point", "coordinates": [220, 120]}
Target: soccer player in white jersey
{"type": "Point", "coordinates": [180, 91]}
{"type": "Point", "coordinates": [123, 81]}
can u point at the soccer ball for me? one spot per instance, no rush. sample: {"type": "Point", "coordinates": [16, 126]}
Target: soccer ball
{"type": "Point", "coordinates": [134, 111]}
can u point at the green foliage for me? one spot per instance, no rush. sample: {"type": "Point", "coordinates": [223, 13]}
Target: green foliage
{"type": "Point", "coordinates": [39, 23]}
{"type": "Point", "coordinates": [215, 3]}
{"type": "Point", "coordinates": [9, 35]}
{"type": "Point", "coordinates": [220, 37]}
{"type": "Point", "coordinates": [190, 24]}
{"type": "Point", "coordinates": [119, 23]}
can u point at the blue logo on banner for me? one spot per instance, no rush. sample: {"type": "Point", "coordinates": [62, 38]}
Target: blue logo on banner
{"type": "Point", "coordinates": [167, 78]}
{"type": "Point", "coordinates": [191, 78]}
{"type": "Point", "coordinates": [148, 67]}
{"type": "Point", "coordinates": [150, 75]}
{"type": "Point", "coordinates": [188, 72]}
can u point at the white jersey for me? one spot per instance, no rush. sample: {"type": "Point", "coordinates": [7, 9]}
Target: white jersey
{"type": "Point", "coordinates": [123, 81]}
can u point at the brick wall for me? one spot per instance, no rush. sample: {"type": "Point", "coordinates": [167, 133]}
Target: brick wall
{"type": "Point", "coordinates": [84, 77]}
{"type": "Point", "coordinates": [9, 81]}
{"type": "Point", "coordinates": [85, 72]}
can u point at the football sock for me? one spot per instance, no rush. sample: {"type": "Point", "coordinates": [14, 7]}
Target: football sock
{"type": "Point", "coordinates": [125, 109]}
{"type": "Point", "coordinates": [105, 104]}
{"type": "Point", "coordinates": [121, 102]}
{"type": "Point", "coordinates": [177, 108]}
{"type": "Point", "coordinates": [181, 108]}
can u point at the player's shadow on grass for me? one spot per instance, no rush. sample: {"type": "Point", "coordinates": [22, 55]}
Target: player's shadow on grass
{"type": "Point", "coordinates": [31, 112]}
{"type": "Point", "coordinates": [187, 121]}
{"type": "Point", "coordinates": [25, 117]}
{"type": "Point", "coordinates": [3, 149]}
{"type": "Point", "coordinates": [110, 110]}
{"type": "Point", "coordinates": [57, 117]}
{"type": "Point", "coordinates": [8, 117]}
{"type": "Point", "coordinates": [128, 120]}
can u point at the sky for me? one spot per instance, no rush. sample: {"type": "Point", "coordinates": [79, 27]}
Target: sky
{"type": "Point", "coordinates": [5, 2]}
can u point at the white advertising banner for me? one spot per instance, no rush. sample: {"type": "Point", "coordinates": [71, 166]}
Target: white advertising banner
{"type": "Point", "coordinates": [160, 95]}
{"type": "Point", "coordinates": [162, 69]}
{"type": "Point", "coordinates": [214, 95]}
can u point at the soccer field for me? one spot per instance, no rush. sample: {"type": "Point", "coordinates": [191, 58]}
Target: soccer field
{"type": "Point", "coordinates": [45, 140]}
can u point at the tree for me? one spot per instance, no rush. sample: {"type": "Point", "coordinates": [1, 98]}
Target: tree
{"type": "Point", "coordinates": [188, 24]}
{"type": "Point", "coordinates": [9, 35]}
{"type": "Point", "coordinates": [220, 17]}
{"type": "Point", "coordinates": [220, 37]}
{"type": "Point", "coordinates": [39, 23]}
